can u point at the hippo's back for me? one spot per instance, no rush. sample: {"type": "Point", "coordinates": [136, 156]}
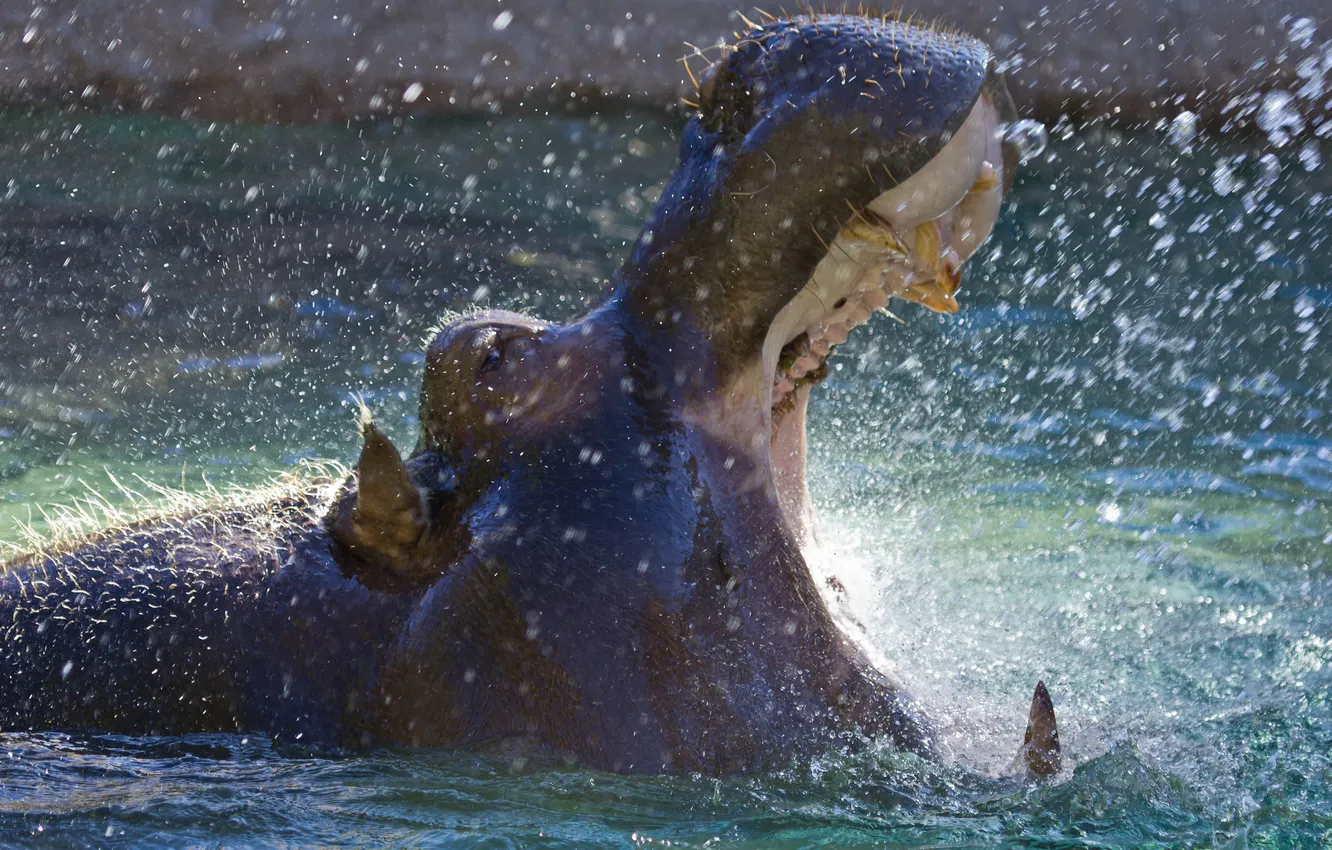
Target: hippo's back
{"type": "Point", "coordinates": [236, 619]}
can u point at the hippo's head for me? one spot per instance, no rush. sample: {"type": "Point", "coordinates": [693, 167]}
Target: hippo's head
{"type": "Point", "coordinates": [578, 486]}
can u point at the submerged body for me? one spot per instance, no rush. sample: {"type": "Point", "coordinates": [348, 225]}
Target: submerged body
{"type": "Point", "coordinates": [596, 541]}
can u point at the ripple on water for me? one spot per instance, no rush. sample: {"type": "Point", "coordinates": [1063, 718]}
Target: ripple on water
{"type": "Point", "coordinates": [1034, 422]}
{"type": "Point", "coordinates": [1320, 296]}
{"type": "Point", "coordinates": [1124, 422]}
{"type": "Point", "coordinates": [1288, 441]}
{"type": "Point", "coordinates": [328, 307]}
{"type": "Point", "coordinates": [977, 320]}
{"type": "Point", "coordinates": [249, 362]}
{"type": "Point", "coordinates": [221, 790]}
{"type": "Point", "coordinates": [241, 363]}
{"type": "Point", "coordinates": [1013, 488]}
{"type": "Point", "coordinates": [1309, 470]}
{"type": "Point", "coordinates": [1021, 453]}
{"type": "Point", "coordinates": [1199, 526]}
{"type": "Point", "coordinates": [1162, 482]}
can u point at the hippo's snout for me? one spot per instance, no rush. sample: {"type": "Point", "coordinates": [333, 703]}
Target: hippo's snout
{"type": "Point", "coordinates": [899, 79]}
{"type": "Point", "coordinates": [836, 162]}
{"type": "Point", "coordinates": [827, 128]}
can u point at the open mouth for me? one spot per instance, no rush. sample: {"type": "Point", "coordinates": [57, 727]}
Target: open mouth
{"type": "Point", "coordinates": [909, 243]}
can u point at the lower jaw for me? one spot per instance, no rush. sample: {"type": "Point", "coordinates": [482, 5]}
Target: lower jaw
{"type": "Point", "coordinates": [786, 452]}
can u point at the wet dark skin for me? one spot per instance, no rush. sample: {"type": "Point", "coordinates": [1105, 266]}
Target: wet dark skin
{"type": "Point", "coordinates": [586, 546]}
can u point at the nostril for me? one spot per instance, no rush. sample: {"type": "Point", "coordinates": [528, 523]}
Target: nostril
{"type": "Point", "coordinates": [841, 302]}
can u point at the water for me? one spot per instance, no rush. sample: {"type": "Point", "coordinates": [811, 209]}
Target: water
{"type": "Point", "coordinates": [1112, 470]}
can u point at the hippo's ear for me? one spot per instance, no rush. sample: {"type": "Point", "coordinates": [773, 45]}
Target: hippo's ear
{"type": "Point", "coordinates": [383, 520]}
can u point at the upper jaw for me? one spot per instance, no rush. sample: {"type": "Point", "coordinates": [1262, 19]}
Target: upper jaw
{"type": "Point", "coordinates": [799, 119]}
{"type": "Point", "coordinates": [908, 243]}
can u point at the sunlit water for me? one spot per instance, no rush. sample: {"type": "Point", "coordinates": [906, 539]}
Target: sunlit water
{"type": "Point", "coordinates": [1112, 471]}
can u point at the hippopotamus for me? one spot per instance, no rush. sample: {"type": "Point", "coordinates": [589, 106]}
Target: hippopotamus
{"type": "Point", "coordinates": [596, 541]}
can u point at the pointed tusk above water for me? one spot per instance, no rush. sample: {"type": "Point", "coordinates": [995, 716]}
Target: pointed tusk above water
{"type": "Point", "coordinates": [1040, 751]}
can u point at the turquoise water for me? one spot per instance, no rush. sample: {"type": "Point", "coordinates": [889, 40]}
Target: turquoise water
{"type": "Point", "coordinates": [1111, 471]}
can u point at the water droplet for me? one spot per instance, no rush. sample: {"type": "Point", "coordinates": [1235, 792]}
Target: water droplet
{"type": "Point", "coordinates": [1302, 32]}
{"type": "Point", "coordinates": [1269, 169]}
{"type": "Point", "coordinates": [1183, 129]}
{"type": "Point", "coordinates": [412, 93]}
{"type": "Point", "coordinates": [1165, 243]}
{"type": "Point", "coordinates": [1224, 181]}
{"type": "Point", "coordinates": [1311, 157]}
{"type": "Point", "coordinates": [502, 20]}
{"type": "Point", "coordinates": [1029, 137]}
{"type": "Point", "coordinates": [1279, 117]}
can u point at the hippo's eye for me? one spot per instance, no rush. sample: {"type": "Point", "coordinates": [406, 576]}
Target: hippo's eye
{"type": "Point", "coordinates": [493, 359]}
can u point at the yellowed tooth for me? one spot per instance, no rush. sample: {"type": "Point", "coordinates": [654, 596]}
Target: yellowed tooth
{"type": "Point", "coordinates": [868, 226]}
{"type": "Point", "coordinates": [987, 179]}
{"type": "Point", "coordinates": [929, 243]}
{"type": "Point", "coordinates": [873, 233]}
{"type": "Point", "coordinates": [948, 277]}
{"type": "Point", "coordinates": [931, 296]}
{"type": "Point", "coordinates": [940, 302]}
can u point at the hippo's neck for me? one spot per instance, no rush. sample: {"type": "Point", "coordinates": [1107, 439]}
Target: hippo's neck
{"type": "Point", "coordinates": [715, 257]}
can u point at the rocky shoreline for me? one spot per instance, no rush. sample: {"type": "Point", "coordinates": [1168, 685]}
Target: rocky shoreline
{"type": "Point", "coordinates": [1131, 61]}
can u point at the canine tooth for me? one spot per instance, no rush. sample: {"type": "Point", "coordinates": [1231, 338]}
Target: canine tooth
{"type": "Point", "coordinates": [948, 274]}
{"type": "Point", "coordinates": [929, 242]}
{"type": "Point", "coordinates": [944, 303]}
{"type": "Point", "coordinates": [932, 296]}
{"type": "Point", "coordinates": [946, 282]}
{"type": "Point", "coordinates": [987, 179]}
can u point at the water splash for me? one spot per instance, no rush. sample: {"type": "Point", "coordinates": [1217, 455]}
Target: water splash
{"type": "Point", "coordinates": [1029, 137]}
